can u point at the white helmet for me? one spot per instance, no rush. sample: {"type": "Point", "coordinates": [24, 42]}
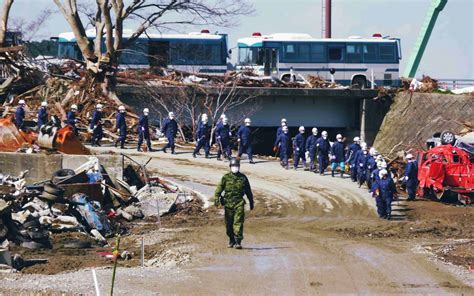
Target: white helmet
{"type": "Point", "coordinates": [409, 156]}
{"type": "Point", "coordinates": [373, 151]}
{"type": "Point", "coordinates": [225, 120]}
{"type": "Point", "coordinates": [379, 157]}
{"type": "Point", "coordinates": [339, 137]}
{"type": "Point", "coordinates": [382, 173]}
{"type": "Point", "coordinates": [247, 121]}
{"type": "Point", "coordinates": [74, 107]}
{"type": "Point", "coordinates": [21, 102]}
{"type": "Point", "coordinates": [283, 122]}
{"type": "Point", "coordinates": [324, 134]}
{"type": "Point", "coordinates": [301, 129]}
{"type": "Point", "coordinates": [44, 104]}
{"type": "Point", "coordinates": [383, 165]}
{"type": "Point", "coordinates": [285, 129]}
{"type": "Point", "coordinates": [314, 131]}
{"type": "Point", "coordinates": [357, 139]}
{"type": "Point", "coordinates": [223, 116]}
{"type": "Point", "coordinates": [121, 108]}
{"type": "Point", "coordinates": [99, 106]}
{"type": "Point", "coordinates": [204, 118]}
{"type": "Point", "coordinates": [363, 146]}
{"type": "Point", "coordinates": [146, 111]}
{"type": "Point", "coordinates": [171, 115]}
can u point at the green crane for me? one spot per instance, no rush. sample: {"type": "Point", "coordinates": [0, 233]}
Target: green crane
{"type": "Point", "coordinates": [425, 33]}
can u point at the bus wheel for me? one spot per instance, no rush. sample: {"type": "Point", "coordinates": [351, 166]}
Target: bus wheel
{"type": "Point", "coordinates": [360, 82]}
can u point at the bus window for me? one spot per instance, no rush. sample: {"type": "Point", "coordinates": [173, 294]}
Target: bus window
{"type": "Point", "coordinates": [387, 52]}
{"type": "Point", "coordinates": [370, 52]}
{"type": "Point", "coordinates": [335, 53]}
{"type": "Point", "coordinates": [317, 53]}
{"type": "Point", "coordinates": [135, 54]}
{"type": "Point", "coordinates": [353, 53]}
{"type": "Point", "coordinates": [289, 52]}
{"type": "Point", "coordinates": [250, 56]}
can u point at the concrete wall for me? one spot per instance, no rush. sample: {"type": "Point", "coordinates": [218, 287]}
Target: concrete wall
{"type": "Point", "coordinates": [42, 166]}
{"type": "Point", "coordinates": [413, 119]}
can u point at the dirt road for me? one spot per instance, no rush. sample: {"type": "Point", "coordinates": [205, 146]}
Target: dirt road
{"type": "Point", "coordinates": [294, 244]}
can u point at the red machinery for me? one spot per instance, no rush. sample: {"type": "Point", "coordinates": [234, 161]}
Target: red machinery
{"type": "Point", "coordinates": [446, 170]}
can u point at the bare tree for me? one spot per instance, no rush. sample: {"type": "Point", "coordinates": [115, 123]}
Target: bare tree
{"type": "Point", "coordinates": [111, 15]}
{"type": "Point", "coordinates": [7, 5]}
{"type": "Point", "coordinates": [29, 28]}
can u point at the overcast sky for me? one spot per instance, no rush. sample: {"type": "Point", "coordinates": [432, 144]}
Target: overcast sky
{"type": "Point", "coordinates": [450, 52]}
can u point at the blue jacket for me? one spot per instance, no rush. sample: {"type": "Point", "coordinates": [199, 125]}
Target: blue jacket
{"type": "Point", "coordinates": [120, 123]}
{"type": "Point", "coordinates": [386, 188]}
{"type": "Point", "coordinates": [323, 146]}
{"type": "Point", "coordinates": [411, 171]}
{"type": "Point", "coordinates": [299, 143]}
{"type": "Point", "coordinates": [279, 131]}
{"type": "Point", "coordinates": [311, 143]}
{"type": "Point", "coordinates": [203, 132]}
{"type": "Point", "coordinates": [284, 141]}
{"type": "Point", "coordinates": [337, 150]}
{"type": "Point", "coordinates": [245, 135]}
{"type": "Point", "coordinates": [42, 116]}
{"type": "Point", "coordinates": [351, 152]}
{"type": "Point", "coordinates": [170, 128]}
{"type": "Point", "coordinates": [361, 161]}
{"type": "Point", "coordinates": [19, 116]}
{"type": "Point", "coordinates": [71, 118]}
{"type": "Point", "coordinates": [143, 125]}
{"type": "Point", "coordinates": [371, 164]}
{"type": "Point", "coordinates": [223, 132]}
{"type": "Point", "coordinates": [96, 118]}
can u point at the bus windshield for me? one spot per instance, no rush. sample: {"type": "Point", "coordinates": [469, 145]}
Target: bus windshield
{"type": "Point", "coordinates": [250, 56]}
{"type": "Point", "coordinates": [68, 50]}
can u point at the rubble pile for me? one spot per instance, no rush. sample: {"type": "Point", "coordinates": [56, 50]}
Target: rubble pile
{"type": "Point", "coordinates": [84, 200]}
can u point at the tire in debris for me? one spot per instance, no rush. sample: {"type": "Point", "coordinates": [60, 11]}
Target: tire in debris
{"type": "Point", "coordinates": [448, 138]}
{"type": "Point", "coordinates": [78, 245]}
{"type": "Point", "coordinates": [62, 175]}
{"type": "Point", "coordinates": [53, 189]}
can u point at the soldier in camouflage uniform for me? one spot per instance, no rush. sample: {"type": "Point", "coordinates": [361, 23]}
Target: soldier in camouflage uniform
{"type": "Point", "coordinates": [234, 185]}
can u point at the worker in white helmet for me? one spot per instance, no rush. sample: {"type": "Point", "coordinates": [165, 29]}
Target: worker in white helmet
{"type": "Point", "coordinates": [71, 119]}
{"type": "Point", "coordinates": [42, 114]}
{"type": "Point", "coordinates": [244, 137]}
{"type": "Point", "coordinates": [203, 136]}
{"type": "Point", "coordinates": [96, 125]}
{"type": "Point", "coordinates": [338, 156]}
{"type": "Point", "coordinates": [282, 144]}
{"type": "Point", "coordinates": [144, 131]}
{"type": "Point", "coordinates": [280, 128]}
{"type": "Point", "coordinates": [411, 177]}
{"type": "Point", "coordinates": [385, 192]}
{"type": "Point", "coordinates": [311, 142]}
{"type": "Point", "coordinates": [20, 114]}
{"type": "Point", "coordinates": [299, 149]}
{"type": "Point", "coordinates": [170, 130]}
{"type": "Point", "coordinates": [121, 126]}
{"type": "Point", "coordinates": [362, 157]}
{"type": "Point", "coordinates": [323, 147]}
{"type": "Point", "coordinates": [350, 157]}
{"type": "Point", "coordinates": [223, 135]}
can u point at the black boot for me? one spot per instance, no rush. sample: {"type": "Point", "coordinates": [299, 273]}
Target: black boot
{"type": "Point", "coordinates": [237, 245]}
{"type": "Point", "coordinates": [342, 174]}
{"type": "Point", "coordinates": [164, 150]}
{"type": "Point", "coordinates": [172, 151]}
{"type": "Point", "coordinates": [116, 143]}
{"type": "Point", "coordinates": [332, 173]}
{"type": "Point", "coordinates": [194, 155]}
{"type": "Point", "coordinates": [231, 243]}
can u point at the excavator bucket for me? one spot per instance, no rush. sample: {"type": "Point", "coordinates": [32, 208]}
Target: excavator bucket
{"type": "Point", "coordinates": [67, 142]}
{"type": "Point", "coordinates": [12, 139]}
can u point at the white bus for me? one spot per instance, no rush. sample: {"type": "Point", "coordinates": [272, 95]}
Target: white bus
{"type": "Point", "coordinates": [199, 52]}
{"type": "Point", "coordinates": [353, 60]}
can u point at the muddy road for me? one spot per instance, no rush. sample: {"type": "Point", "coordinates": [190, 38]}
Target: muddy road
{"type": "Point", "coordinates": [308, 235]}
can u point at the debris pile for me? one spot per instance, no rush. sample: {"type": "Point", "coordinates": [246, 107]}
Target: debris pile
{"type": "Point", "coordinates": [84, 200]}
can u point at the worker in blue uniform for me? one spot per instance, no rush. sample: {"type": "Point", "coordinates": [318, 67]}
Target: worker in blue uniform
{"type": "Point", "coordinates": [282, 144]}
{"type": "Point", "coordinates": [280, 131]}
{"type": "Point", "coordinates": [244, 137]}
{"type": "Point", "coordinates": [299, 149]}
{"type": "Point", "coordinates": [42, 114]}
{"type": "Point", "coordinates": [311, 142]}
{"type": "Point", "coordinates": [350, 157]}
{"type": "Point", "coordinates": [323, 147]}
{"type": "Point", "coordinates": [20, 114]}
{"type": "Point", "coordinates": [362, 157]}
{"type": "Point", "coordinates": [385, 192]}
{"type": "Point", "coordinates": [121, 126]}
{"type": "Point", "coordinates": [337, 156]}
{"type": "Point", "coordinates": [96, 125]}
{"type": "Point", "coordinates": [223, 135]}
{"type": "Point", "coordinates": [71, 119]}
{"type": "Point", "coordinates": [203, 135]}
{"type": "Point", "coordinates": [170, 129]}
{"type": "Point", "coordinates": [144, 131]}
{"type": "Point", "coordinates": [411, 177]}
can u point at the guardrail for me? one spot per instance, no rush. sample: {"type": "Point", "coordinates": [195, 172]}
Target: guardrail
{"type": "Point", "coordinates": [455, 83]}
